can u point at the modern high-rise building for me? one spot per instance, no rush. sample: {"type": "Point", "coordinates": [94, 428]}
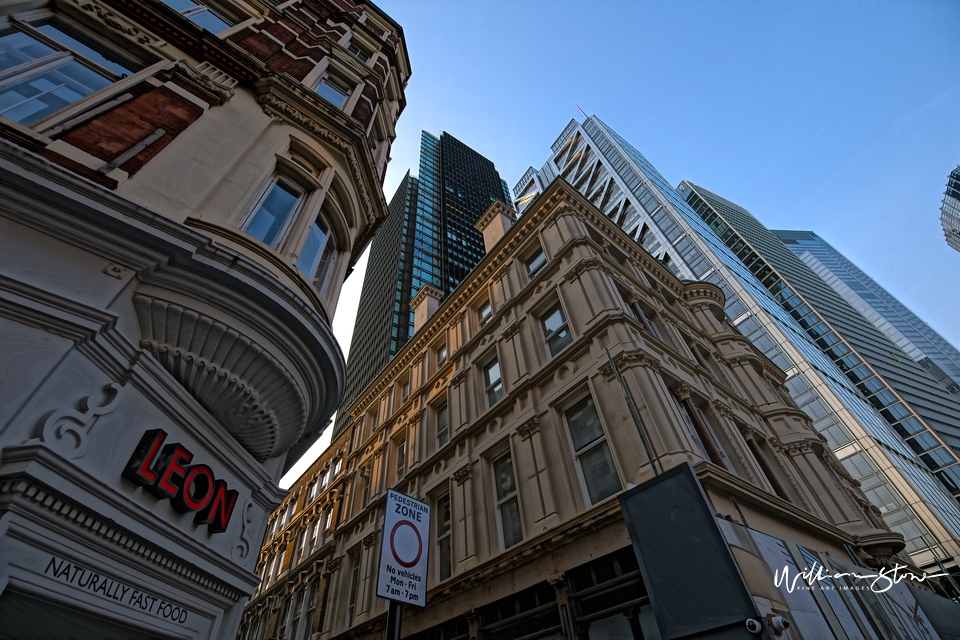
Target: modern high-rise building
{"type": "Point", "coordinates": [950, 210]}
{"type": "Point", "coordinates": [913, 403]}
{"type": "Point", "coordinates": [183, 188]}
{"type": "Point", "coordinates": [428, 238]}
{"type": "Point", "coordinates": [629, 190]}
{"type": "Point", "coordinates": [914, 336]}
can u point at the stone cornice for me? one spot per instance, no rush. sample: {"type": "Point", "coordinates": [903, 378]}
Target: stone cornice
{"type": "Point", "coordinates": [426, 290]}
{"type": "Point", "coordinates": [559, 196]}
{"type": "Point", "coordinates": [712, 475]}
{"type": "Point", "coordinates": [495, 209]}
{"type": "Point", "coordinates": [172, 27]}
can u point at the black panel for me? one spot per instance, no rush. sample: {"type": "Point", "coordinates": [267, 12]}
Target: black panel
{"type": "Point", "coordinates": [694, 584]}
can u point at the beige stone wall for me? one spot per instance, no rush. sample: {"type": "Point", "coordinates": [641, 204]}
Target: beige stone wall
{"type": "Point", "coordinates": [724, 392]}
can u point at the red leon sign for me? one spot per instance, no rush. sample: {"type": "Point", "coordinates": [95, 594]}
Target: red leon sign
{"type": "Point", "coordinates": [163, 471]}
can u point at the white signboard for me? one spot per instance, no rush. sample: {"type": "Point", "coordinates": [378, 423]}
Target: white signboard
{"type": "Point", "coordinates": [403, 556]}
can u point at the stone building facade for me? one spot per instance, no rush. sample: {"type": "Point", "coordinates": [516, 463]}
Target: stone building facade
{"type": "Point", "coordinates": [295, 561]}
{"type": "Point", "coordinates": [505, 414]}
{"type": "Point", "coordinates": [183, 189]}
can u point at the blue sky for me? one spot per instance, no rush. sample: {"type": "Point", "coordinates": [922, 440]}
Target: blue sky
{"type": "Point", "coordinates": [838, 117]}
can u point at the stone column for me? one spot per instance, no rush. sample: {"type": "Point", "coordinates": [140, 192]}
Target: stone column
{"type": "Point", "coordinates": [531, 470]}
{"type": "Point", "coordinates": [367, 565]}
{"type": "Point", "coordinates": [514, 341]}
{"type": "Point", "coordinates": [568, 623]}
{"type": "Point", "coordinates": [457, 409]}
{"type": "Point", "coordinates": [465, 537]}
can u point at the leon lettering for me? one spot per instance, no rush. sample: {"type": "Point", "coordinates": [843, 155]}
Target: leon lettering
{"type": "Point", "coordinates": [165, 471]}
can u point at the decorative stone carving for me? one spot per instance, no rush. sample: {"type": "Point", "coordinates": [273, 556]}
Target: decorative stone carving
{"type": "Point", "coordinates": [222, 90]}
{"type": "Point", "coordinates": [270, 102]}
{"type": "Point", "coordinates": [66, 430]}
{"type": "Point", "coordinates": [512, 329]}
{"type": "Point", "coordinates": [682, 389]}
{"type": "Point", "coordinates": [265, 425]}
{"type": "Point", "coordinates": [627, 359]}
{"type": "Point", "coordinates": [723, 410]}
{"type": "Point", "coordinates": [457, 379]}
{"type": "Point", "coordinates": [584, 265]}
{"type": "Point", "coordinates": [332, 565]}
{"type": "Point", "coordinates": [529, 427]}
{"type": "Point", "coordinates": [242, 549]}
{"type": "Point", "coordinates": [111, 20]}
{"type": "Point", "coordinates": [462, 474]}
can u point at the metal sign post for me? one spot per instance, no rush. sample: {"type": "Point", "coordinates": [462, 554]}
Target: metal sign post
{"type": "Point", "coordinates": [403, 557]}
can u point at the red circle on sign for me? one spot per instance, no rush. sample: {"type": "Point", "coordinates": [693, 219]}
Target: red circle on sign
{"type": "Point", "coordinates": [393, 549]}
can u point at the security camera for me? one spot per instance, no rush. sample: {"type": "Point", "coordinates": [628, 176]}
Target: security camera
{"type": "Point", "coordinates": [778, 624]}
{"type": "Point", "coordinates": [754, 626]}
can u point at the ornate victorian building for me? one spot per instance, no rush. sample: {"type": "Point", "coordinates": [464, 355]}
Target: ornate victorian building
{"type": "Point", "coordinates": [567, 367]}
{"type": "Point", "coordinates": [184, 187]}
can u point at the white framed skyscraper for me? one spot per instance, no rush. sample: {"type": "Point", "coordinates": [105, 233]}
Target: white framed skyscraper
{"type": "Point", "coordinates": [616, 177]}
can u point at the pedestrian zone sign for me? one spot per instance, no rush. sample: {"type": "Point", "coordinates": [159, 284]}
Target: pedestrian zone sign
{"type": "Point", "coordinates": [403, 554]}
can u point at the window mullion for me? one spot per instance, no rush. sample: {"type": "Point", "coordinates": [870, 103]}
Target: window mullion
{"type": "Point", "coordinates": [35, 67]}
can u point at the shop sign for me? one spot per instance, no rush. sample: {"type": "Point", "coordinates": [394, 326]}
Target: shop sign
{"type": "Point", "coordinates": [99, 584]}
{"type": "Point", "coordinates": [166, 472]}
{"type": "Point", "coordinates": [403, 556]}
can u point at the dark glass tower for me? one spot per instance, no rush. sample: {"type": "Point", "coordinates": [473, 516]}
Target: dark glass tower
{"type": "Point", "coordinates": [428, 238]}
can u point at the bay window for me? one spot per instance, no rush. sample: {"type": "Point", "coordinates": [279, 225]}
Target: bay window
{"type": "Point", "coordinates": [273, 212]}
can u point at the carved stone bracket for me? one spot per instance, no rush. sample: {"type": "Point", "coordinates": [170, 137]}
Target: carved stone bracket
{"type": "Point", "coordinates": [585, 265]}
{"type": "Point", "coordinates": [242, 549]}
{"type": "Point", "coordinates": [369, 540]}
{"type": "Point", "coordinates": [332, 565]}
{"type": "Point", "coordinates": [529, 427]}
{"type": "Point", "coordinates": [723, 410]}
{"type": "Point", "coordinates": [628, 359]}
{"type": "Point", "coordinates": [66, 430]}
{"type": "Point", "coordinates": [798, 448]}
{"type": "Point", "coordinates": [457, 379]}
{"type": "Point", "coordinates": [746, 431]}
{"type": "Point", "coordinates": [512, 329]}
{"type": "Point", "coordinates": [462, 474]}
{"type": "Point", "coordinates": [682, 389]}
{"type": "Point", "coordinates": [221, 88]}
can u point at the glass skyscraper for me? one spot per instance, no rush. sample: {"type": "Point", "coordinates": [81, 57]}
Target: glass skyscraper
{"type": "Point", "coordinates": [950, 210]}
{"type": "Point", "coordinates": [918, 339]}
{"type": "Point", "coordinates": [428, 238]}
{"type": "Point", "coordinates": [620, 181]}
{"type": "Point", "coordinates": [919, 409]}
